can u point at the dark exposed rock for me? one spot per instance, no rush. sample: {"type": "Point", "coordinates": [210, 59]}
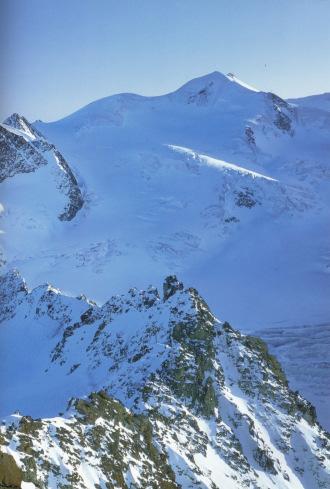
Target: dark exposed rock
{"type": "Point", "coordinates": [170, 286]}
{"type": "Point", "coordinates": [17, 155]}
{"type": "Point", "coordinates": [12, 290]}
{"type": "Point", "coordinates": [250, 136]}
{"type": "Point", "coordinates": [72, 190]}
{"type": "Point", "coordinates": [245, 198]}
{"type": "Point", "coordinates": [283, 113]}
{"type": "Point", "coordinates": [10, 473]}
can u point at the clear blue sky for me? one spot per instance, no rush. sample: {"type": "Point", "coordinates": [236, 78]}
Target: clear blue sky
{"type": "Point", "coordinates": [58, 55]}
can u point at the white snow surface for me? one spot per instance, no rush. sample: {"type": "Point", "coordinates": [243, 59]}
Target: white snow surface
{"type": "Point", "coordinates": [241, 210]}
{"type": "Point", "coordinates": [321, 101]}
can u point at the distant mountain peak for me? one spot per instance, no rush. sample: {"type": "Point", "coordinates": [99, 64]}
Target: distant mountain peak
{"type": "Point", "coordinates": [17, 121]}
{"type": "Point", "coordinates": [208, 87]}
{"type": "Point", "coordinates": [14, 120]}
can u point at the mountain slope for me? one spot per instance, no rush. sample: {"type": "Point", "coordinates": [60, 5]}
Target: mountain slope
{"type": "Point", "coordinates": [226, 185]}
{"type": "Point", "coordinates": [180, 399]}
{"type": "Point", "coordinates": [321, 101]}
{"type": "Point", "coordinates": [304, 354]}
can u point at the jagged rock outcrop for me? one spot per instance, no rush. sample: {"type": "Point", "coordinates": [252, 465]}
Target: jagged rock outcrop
{"type": "Point", "coordinates": [114, 443]}
{"type": "Point", "coordinates": [171, 285]}
{"type": "Point", "coordinates": [17, 154]}
{"type": "Point", "coordinates": [12, 291]}
{"type": "Point", "coordinates": [23, 149]}
{"type": "Point", "coordinates": [179, 398]}
{"type": "Point", "coordinates": [284, 113]}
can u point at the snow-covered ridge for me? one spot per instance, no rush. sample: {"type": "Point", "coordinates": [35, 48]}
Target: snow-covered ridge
{"type": "Point", "coordinates": [320, 101]}
{"type": "Point", "coordinates": [223, 165]}
{"type": "Point", "coordinates": [25, 150]}
{"type": "Point", "coordinates": [213, 91]}
{"type": "Point", "coordinates": [178, 396]}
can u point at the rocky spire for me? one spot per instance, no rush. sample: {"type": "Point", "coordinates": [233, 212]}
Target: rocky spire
{"type": "Point", "coordinates": [171, 286]}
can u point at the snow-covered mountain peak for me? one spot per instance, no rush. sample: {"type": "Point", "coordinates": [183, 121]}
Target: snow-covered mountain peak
{"type": "Point", "coordinates": [207, 89]}
{"type": "Point", "coordinates": [213, 89]}
{"type": "Point", "coordinates": [19, 122]}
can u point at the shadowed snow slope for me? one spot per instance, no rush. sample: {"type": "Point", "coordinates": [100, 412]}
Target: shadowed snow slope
{"type": "Point", "coordinates": [321, 101]}
{"type": "Point", "coordinates": [179, 398]}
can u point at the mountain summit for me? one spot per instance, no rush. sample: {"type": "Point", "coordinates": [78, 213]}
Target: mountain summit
{"type": "Point", "coordinates": [216, 79]}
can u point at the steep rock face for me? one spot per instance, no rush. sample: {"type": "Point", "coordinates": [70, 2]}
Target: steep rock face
{"type": "Point", "coordinates": [13, 291]}
{"type": "Point", "coordinates": [24, 150]}
{"type": "Point", "coordinates": [284, 113]}
{"type": "Point", "coordinates": [180, 398]}
{"type": "Point", "coordinates": [17, 154]}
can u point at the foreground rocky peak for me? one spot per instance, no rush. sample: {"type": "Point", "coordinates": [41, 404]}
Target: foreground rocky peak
{"type": "Point", "coordinates": [148, 390]}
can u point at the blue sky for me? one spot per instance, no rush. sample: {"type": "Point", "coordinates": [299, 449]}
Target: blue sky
{"type": "Point", "coordinates": [56, 56]}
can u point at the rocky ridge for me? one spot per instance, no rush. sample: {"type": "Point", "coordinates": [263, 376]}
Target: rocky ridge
{"type": "Point", "coordinates": [162, 394]}
{"type": "Point", "coordinates": [23, 149]}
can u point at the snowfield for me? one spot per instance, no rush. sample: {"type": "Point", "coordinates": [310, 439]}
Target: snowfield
{"type": "Point", "coordinates": [225, 185]}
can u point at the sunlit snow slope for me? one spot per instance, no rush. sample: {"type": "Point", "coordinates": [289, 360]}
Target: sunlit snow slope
{"type": "Point", "coordinates": [226, 185]}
